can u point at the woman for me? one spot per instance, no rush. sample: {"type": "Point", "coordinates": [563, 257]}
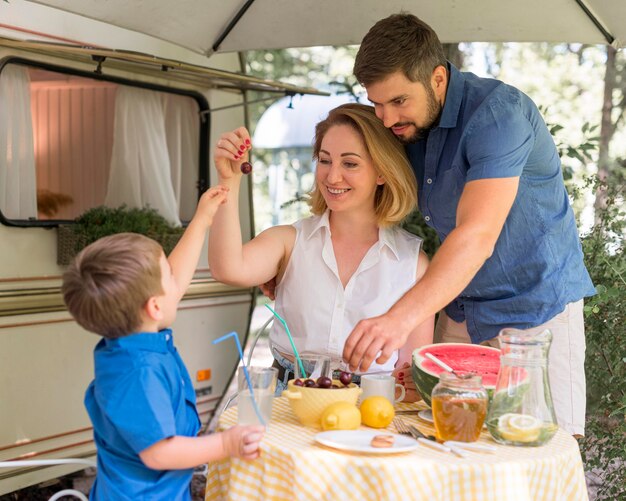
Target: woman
{"type": "Point", "coordinates": [348, 261]}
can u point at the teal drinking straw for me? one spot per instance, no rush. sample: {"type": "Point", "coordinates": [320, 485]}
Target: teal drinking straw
{"type": "Point", "coordinates": [245, 371]}
{"type": "Point", "coordinates": [293, 345]}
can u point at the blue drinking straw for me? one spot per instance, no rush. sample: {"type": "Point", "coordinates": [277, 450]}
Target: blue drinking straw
{"type": "Point", "coordinates": [293, 345]}
{"type": "Point", "coordinates": [245, 370]}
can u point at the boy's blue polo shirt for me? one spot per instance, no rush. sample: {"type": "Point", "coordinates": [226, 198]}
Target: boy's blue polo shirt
{"type": "Point", "coordinates": [489, 129]}
{"type": "Point", "coordinates": [141, 394]}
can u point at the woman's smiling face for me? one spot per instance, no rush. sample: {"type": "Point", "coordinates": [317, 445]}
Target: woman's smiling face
{"type": "Point", "coordinates": [345, 173]}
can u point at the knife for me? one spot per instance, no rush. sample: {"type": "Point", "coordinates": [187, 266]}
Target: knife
{"type": "Point", "coordinates": [432, 442]}
{"type": "Point", "coordinates": [471, 446]}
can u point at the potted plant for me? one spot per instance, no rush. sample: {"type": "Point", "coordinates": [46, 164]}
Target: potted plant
{"type": "Point", "coordinates": [102, 221]}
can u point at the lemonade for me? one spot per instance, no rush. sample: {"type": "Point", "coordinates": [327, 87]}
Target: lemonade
{"type": "Point", "coordinates": [245, 408]}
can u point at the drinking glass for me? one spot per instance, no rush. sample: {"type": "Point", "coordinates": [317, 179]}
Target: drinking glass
{"type": "Point", "coordinates": [315, 366]}
{"type": "Point", "coordinates": [263, 381]}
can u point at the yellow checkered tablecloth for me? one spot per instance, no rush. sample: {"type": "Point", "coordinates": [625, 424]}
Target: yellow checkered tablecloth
{"type": "Point", "coordinates": [293, 467]}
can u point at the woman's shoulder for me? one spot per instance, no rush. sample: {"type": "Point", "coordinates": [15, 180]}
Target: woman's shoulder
{"type": "Point", "coordinates": [403, 235]}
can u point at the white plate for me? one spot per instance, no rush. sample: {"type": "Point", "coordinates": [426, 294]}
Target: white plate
{"type": "Point", "coordinates": [359, 441]}
{"type": "Point", "coordinates": [426, 415]}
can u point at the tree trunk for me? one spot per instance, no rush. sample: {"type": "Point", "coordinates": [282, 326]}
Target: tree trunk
{"type": "Point", "coordinates": [453, 54]}
{"type": "Point", "coordinates": [607, 128]}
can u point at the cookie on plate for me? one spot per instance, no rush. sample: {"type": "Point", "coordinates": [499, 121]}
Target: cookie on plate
{"type": "Point", "coordinates": [381, 441]}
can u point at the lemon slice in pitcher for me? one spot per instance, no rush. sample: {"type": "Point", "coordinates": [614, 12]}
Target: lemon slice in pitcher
{"type": "Point", "coordinates": [519, 427]}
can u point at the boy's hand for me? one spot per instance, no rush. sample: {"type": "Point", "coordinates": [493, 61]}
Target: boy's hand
{"type": "Point", "coordinates": [243, 441]}
{"type": "Point", "coordinates": [230, 152]}
{"type": "Point", "coordinates": [210, 201]}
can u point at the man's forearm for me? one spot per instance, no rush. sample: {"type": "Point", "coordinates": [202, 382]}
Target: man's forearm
{"type": "Point", "coordinates": [452, 268]}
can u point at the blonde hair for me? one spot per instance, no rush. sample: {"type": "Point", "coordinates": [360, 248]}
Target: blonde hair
{"type": "Point", "coordinates": [397, 197]}
{"type": "Point", "coordinates": [110, 281]}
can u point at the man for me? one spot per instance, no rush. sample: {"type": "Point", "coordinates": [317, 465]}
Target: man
{"type": "Point", "coordinates": [490, 184]}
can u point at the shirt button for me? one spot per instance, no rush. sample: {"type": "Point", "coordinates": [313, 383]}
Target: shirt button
{"type": "Point", "coordinates": [426, 218]}
{"type": "Point", "coordinates": [167, 337]}
{"type": "Point", "coordinates": [429, 181]}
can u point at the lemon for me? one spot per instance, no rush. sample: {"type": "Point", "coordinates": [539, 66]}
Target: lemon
{"type": "Point", "coordinates": [377, 412]}
{"type": "Point", "coordinates": [340, 416]}
{"type": "Point", "coordinates": [519, 427]}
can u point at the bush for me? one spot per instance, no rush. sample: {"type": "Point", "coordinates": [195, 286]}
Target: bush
{"type": "Point", "coordinates": [414, 223]}
{"type": "Point", "coordinates": [604, 446]}
{"type": "Point", "coordinates": [103, 221]}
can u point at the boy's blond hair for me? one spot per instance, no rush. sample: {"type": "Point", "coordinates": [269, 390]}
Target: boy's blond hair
{"type": "Point", "coordinates": [109, 282]}
{"type": "Point", "coordinates": [398, 196]}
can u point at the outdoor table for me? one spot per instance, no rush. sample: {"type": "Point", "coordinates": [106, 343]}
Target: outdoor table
{"type": "Point", "coordinates": [293, 466]}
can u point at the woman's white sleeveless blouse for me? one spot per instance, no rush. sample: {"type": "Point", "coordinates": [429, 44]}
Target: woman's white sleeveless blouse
{"type": "Point", "coordinates": [310, 297]}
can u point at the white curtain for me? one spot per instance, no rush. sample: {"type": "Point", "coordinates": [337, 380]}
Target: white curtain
{"type": "Point", "coordinates": [18, 190]}
{"type": "Point", "coordinates": [141, 173]}
{"type": "Point", "coordinates": [182, 128]}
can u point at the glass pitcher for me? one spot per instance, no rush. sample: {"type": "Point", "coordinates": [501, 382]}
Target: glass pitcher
{"type": "Point", "coordinates": [521, 412]}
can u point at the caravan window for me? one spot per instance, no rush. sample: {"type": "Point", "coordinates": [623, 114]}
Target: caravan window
{"type": "Point", "coordinates": [71, 140]}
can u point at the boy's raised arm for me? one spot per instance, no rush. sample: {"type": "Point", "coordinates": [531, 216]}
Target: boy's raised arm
{"type": "Point", "coordinates": [184, 258]}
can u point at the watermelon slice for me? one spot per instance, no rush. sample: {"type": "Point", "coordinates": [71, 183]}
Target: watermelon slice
{"type": "Point", "coordinates": [463, 358]}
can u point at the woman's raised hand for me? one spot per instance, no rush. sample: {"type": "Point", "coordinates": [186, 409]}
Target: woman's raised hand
{"type": "Point", "coordinates": [230, 152]}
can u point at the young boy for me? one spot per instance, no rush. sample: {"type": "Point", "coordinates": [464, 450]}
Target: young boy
{"type": "Point", "coordinates": [142, 402]}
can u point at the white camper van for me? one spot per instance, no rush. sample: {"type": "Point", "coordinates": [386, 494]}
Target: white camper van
{"type": "Point", "coordinates": [82, 126]}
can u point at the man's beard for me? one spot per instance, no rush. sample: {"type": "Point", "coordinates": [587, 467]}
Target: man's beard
{"type": "Point", "coordinates": [434, 114]}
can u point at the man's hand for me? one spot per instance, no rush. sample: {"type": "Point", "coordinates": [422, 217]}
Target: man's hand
{"type": "Point", "coordinates": [383, 334]}
{"type": "Point", "coordinates": [269, 288]}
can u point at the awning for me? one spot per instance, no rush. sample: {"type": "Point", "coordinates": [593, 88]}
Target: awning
{"type": "Point", "coordinates": [177, 70]}
{"type": "Point", "coordinates": [208, 26]}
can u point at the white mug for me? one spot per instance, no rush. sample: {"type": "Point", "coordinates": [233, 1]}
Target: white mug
{"type": "Point", "coordinates": [380, 385]}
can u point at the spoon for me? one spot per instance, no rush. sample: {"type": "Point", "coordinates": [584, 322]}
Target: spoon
{"type": "Point", "coordinates": [443, 365]}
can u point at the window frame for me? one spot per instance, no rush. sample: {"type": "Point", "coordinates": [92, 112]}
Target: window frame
{"type": "Point", "coordinates": [203, 181]}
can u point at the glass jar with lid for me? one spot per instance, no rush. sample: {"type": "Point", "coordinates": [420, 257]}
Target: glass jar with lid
{"type": "Point", "coordinates": [459, 405]}
{"type": "Point", "coordinates": [521, 412]}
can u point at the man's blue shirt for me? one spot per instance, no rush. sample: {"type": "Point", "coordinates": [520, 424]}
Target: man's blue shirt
{"type": "Point", "coordinates": [141, 394]}
{"type": "Point", "coordinates": [487, 130]}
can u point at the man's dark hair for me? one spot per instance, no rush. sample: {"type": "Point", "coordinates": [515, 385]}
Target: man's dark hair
{"type": "Point", "coordinates": [400, 42]}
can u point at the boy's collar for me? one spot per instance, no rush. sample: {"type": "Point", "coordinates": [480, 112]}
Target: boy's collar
{"type": "Point", "coordinates": [159, 342]}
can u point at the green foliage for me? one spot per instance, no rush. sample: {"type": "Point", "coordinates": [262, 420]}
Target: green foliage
{"type": "Point", "coordinates": [323, 68]}
{"type": "Point", "coordinates": [102, 221]}
{"type": "Point", "coordinates": [414, 223]}
{"type": "Point", "coordinates": [604, 446]}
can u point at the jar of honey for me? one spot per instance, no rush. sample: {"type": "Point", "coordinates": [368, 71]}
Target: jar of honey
{"type": "Point", "coordinates": [459, 405]}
